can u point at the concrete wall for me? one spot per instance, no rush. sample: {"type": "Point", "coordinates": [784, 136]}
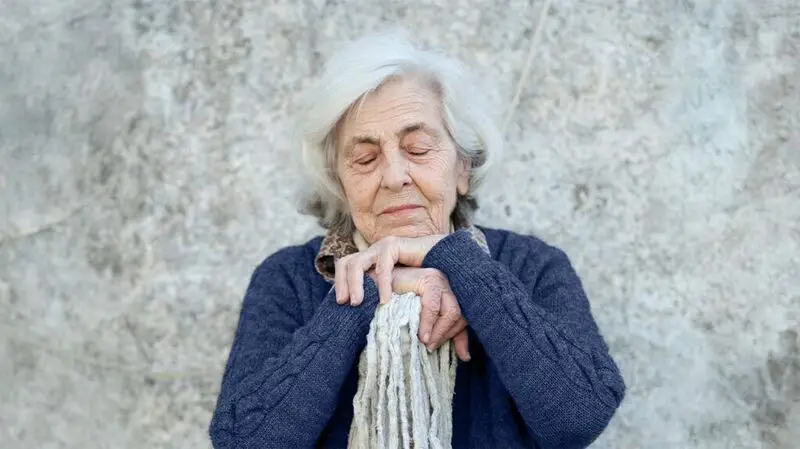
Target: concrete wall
{"type": "Point", "coordinates": [144, 147]}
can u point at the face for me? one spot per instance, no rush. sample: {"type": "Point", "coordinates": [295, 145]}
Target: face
{"type": "Point", "coordinates": [398, 165]}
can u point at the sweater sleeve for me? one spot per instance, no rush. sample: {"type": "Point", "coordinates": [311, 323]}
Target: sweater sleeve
{"type": "Point", "coordinates": [282, 378]}
{"type": "Point", "coordinates": [531, 315]}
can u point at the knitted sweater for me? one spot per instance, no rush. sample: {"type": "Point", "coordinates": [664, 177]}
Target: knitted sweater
{"type": "Point", "coordinates": [540, 375]}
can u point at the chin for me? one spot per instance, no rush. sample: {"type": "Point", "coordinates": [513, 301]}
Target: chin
{"type": "Point", "coordinates": [410, 230]}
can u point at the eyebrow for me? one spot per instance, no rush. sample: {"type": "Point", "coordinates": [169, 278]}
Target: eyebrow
{"type": "Point", "coordinates": [408, 129]}
{"type": "Point", "coordinates": [356, 140]}
{"type": "Point", "coordinates": [418, 126]}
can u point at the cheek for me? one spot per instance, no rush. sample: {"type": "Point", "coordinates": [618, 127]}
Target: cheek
{"type": "Point", "coordinates": [359, 191]}
{"type": "Point", "coordinates": [437, 181]}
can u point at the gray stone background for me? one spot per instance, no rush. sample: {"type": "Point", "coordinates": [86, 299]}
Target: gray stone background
{"type": "Point", "coordinates": [146, 168]}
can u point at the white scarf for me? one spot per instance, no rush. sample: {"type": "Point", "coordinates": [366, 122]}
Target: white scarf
{"type": "Point", "coordinates": [405, 393]}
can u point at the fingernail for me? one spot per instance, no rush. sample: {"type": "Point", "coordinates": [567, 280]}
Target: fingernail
{"type": "Point", "coordinates": [426, 337]}
{"type": "Point", "coordinates": [468, 358]}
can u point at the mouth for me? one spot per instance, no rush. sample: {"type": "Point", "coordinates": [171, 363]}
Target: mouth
{"type": "Point", "coordinates": [400, 209]}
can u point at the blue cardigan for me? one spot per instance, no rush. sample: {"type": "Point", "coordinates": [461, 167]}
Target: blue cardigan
{"type": "Point", "coordinates": [540, 375]}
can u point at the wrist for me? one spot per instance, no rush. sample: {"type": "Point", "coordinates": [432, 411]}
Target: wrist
{"type": "Point", "coordinates": [427, 244]}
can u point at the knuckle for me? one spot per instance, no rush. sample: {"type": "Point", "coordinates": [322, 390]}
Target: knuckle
{"type": "Point", "coordinates": [431, 305]}
{"type": "Point", "coordinates": [453, 314]}
{"type": "Point", "coordinates": [435, 278]}
{"type": "Point", "coordinates": [384, 243]}
{"type": "Point", "coordinates": [433, 274]}
{"type": "Point", "coordinates": [383, 267]}
{"type": "Point", "coordinates": [351, 262]}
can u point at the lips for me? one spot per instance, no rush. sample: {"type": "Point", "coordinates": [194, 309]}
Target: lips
{"type": "Point", "coordinates": [401, 208]}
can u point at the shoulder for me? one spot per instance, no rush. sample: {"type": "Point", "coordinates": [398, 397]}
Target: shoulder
{"type": "Point", "coordinates": [530, 257]}
{"type": "Point", "coordinates": [505, 242]}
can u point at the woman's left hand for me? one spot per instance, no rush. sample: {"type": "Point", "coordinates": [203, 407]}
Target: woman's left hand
{"type": "Point", "coordinates": [440, 317]}
{"type": "Point", "coordinates": [383, 255]}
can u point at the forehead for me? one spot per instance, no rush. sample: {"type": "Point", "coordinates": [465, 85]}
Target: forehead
{"type": "Point", "coordinates": [394, 106]}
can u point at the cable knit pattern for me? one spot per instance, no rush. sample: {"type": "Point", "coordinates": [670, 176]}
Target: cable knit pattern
{"type": "Point", "coordinates": [540, 375]}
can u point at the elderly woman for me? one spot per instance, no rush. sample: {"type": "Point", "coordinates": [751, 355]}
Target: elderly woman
{"type": "Point", "coordinates": [398, 140]}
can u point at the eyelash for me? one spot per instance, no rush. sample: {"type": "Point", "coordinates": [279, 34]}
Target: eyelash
{"type": "Point", "coordinates": [369, 160]}
{"type": "Point", "coordinates": [419, 152]}
{"type": "Point", "coordinates": [366, 161]}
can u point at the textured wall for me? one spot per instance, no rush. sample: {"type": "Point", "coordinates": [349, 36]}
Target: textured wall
{"type": "Point", "coordinates": [144, 147]}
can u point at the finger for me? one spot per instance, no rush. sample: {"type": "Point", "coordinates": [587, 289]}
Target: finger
{"type": "Point", "coordinates": [451, 333]}
{"type": "Point", "coordinates": [384, 265]}
{"type": "Point", "coordinates": [461, 342]}
{"type": "Point", "coordinates": [340, 281]}
{"type": "Point", "coordinates": [431, 305]}
{"type": "Point", "coordinates": [448, 316]}
{"type": "Point", "coordinates": [457, 328]}
{"type": "Point", "coordinates": [355, 277]}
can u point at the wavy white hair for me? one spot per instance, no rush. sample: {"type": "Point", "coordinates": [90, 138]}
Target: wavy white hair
{"type": "Point", "coordinates": [359, 68]}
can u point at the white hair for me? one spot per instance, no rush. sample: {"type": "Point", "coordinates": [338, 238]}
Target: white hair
{"type": "Point", "coordinates": [360, 67]}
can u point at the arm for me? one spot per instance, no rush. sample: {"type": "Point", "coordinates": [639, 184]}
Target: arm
{"type": "Point", "coordinates": [282, 378]}
{"type": "Point", "coordinates": [534, 320]}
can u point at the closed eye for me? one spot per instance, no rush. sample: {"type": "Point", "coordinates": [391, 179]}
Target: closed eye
{"type": "Point", "coordinates": [366, 161]}
{"type": "Point", "coordinates": [419, 151]}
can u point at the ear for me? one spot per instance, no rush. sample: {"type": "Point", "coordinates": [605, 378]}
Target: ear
{"type": "Point", "coordinates": [462, 183]}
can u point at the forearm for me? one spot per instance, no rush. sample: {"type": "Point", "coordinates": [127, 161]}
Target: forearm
{"type": "Point", "coordinates": [564, 384]}
{"type": "Point", "coordinates": [287, 399]}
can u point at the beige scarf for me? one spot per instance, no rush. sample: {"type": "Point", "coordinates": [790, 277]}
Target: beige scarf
{"type": "Point", "coordinates": [404, 396]}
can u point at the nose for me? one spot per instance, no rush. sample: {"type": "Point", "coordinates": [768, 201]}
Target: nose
{"type": "Point", "coordinates": [395, 171]}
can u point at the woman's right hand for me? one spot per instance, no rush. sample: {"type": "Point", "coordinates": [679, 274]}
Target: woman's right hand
{"type": "Point", "coordinates": [440, 319]}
